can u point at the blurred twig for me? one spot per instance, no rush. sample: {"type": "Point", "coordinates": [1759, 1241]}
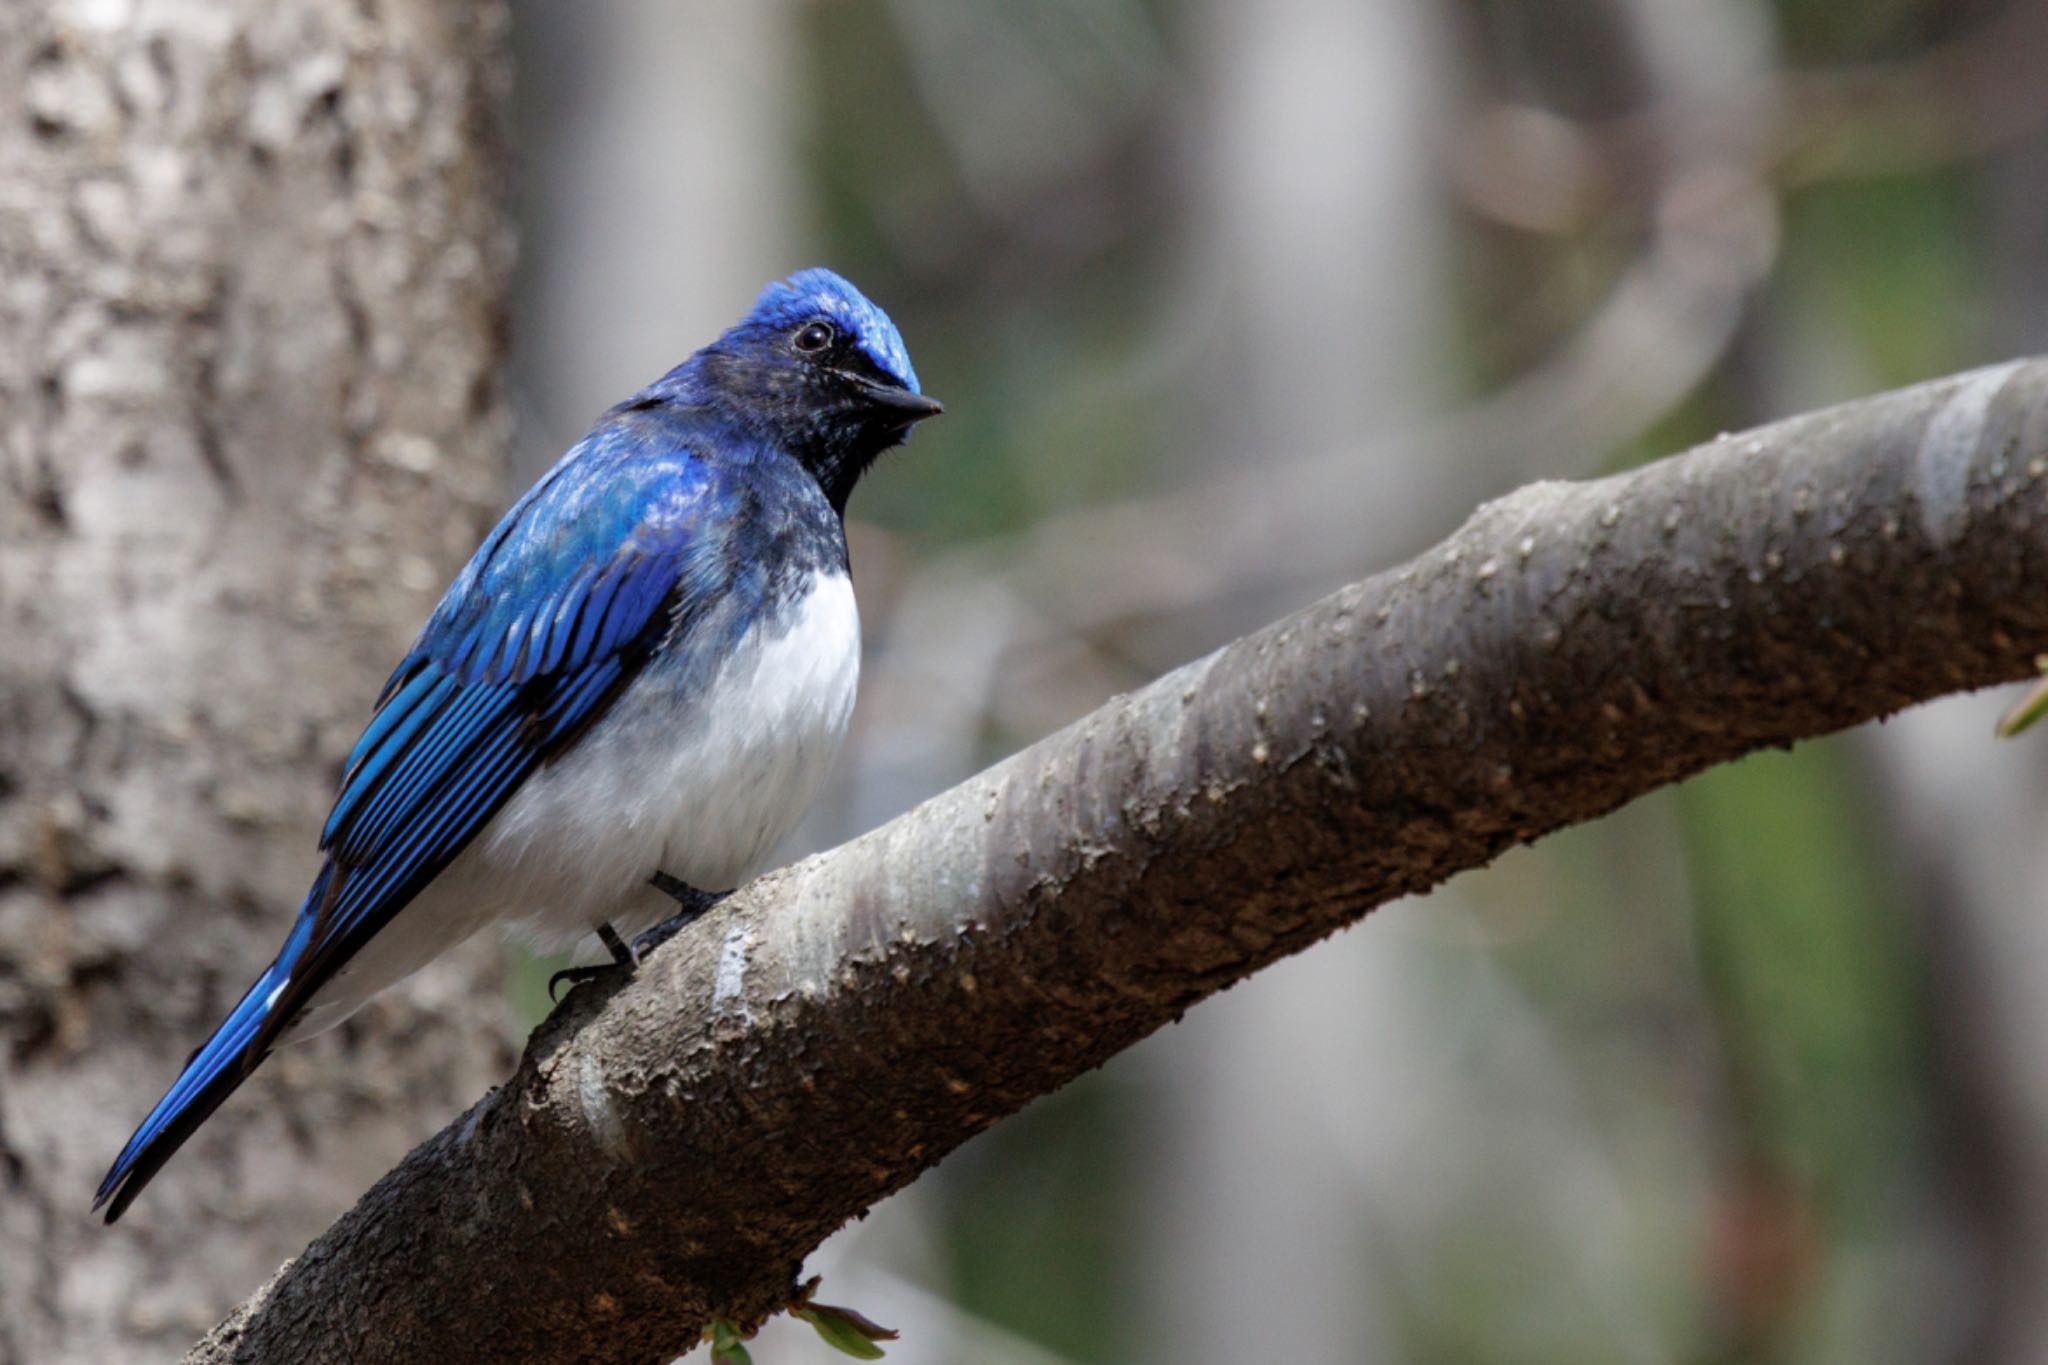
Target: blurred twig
{"type": "Point", "coordinates": [1540, 170]}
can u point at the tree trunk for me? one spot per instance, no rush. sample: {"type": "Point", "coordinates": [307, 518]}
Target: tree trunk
{"type": "Point", "coordinates": [252, 262]}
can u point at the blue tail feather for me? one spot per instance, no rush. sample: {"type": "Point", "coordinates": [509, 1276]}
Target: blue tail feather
{"type": "Point", "coordinates": [211, 1074]}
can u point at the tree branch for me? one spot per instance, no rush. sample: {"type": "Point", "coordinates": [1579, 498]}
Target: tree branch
{"type": "Point", "coordinates": [672, 1147]}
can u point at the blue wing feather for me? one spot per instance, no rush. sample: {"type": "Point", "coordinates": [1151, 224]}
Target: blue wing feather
{"type": "Point", "coordinates": [565, 600]}
{"type": "Point", "coordinates": [496, 708]}
{"type": "Point", "coordinates": [392, 710]}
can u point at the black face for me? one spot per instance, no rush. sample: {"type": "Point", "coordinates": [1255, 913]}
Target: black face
{"type": "Point", "coordinates": [835, 359]}
{"type": "Point", "coordinates": [817, 392]}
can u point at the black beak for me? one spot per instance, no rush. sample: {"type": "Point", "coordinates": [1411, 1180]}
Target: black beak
{"type": "Point", "coordinates": [912, 407]}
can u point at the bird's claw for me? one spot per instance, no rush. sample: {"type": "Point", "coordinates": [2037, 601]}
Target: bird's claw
{"type": "Point", "coordinates": [692, 902]}
{"type": "Point", "coordinates": [576, 976]}
{"type": "Point", "coordinates": [622, 956]}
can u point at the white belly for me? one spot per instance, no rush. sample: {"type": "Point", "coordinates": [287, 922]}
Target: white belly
{"type": "Point", "coordinates": [699, 786]}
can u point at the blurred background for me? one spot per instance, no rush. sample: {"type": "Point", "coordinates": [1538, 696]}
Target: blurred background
{"type": "Point", "coordinates": [1230, 304]}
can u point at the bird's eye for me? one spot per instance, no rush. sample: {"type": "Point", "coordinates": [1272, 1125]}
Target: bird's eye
{"type": "Point", "coordinates": [813, 337]}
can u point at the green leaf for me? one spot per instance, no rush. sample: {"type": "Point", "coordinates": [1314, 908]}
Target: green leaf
{"type": "Point", "coordinates": [844, 1330]}
{"type": "Point", "coordinates": [726, 1344]}
{"type": "Point", "coordinates": [2030, 708]}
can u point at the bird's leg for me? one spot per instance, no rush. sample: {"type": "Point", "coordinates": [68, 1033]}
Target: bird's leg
{"type": "Point", "coordinates": [621, 954]}
{"type": "Point", "coordinates": [692, 903]}
{"type": "Point", "coordinates": [623, 958]}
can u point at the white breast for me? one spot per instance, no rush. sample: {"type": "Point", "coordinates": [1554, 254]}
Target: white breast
{"type": "Point", "coordinates": [701, 785]}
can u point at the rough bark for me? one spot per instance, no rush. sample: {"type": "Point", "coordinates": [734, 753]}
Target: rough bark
{"type": "Point", "coordinates": [252, 263]}
{"type": "Point", "coordinates": [672, 1146]}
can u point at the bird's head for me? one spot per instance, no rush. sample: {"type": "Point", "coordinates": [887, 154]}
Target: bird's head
{"type": "Point", "coordinates": [823, 372]}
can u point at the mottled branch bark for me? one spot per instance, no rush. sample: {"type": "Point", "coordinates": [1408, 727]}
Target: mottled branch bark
{"type": "Point", "coordinates": [671, 1148]}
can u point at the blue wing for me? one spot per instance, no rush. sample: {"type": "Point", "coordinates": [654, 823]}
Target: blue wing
{"type": "Point", "coordinates": [604, 560]}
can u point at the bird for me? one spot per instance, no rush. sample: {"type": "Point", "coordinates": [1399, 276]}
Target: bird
{"type": "Point", "coordinates": [622, 703]}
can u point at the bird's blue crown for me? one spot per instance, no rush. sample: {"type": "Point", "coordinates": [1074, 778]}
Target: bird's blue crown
{"type": "Point", "coordinates": [819, 292]}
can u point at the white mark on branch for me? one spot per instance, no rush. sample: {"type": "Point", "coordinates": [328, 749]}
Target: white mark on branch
{"type": "Point", "coordinates": [1941, 471]}
{"type": "Point", "coordinates": [731, 983]}
{"type": "Point", "coordinates": [595, 1097]}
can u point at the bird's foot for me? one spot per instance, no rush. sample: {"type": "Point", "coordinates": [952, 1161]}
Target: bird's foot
{"type": "Point", "coordinates": [691, 905]}
{"type": "Point", "coordinates": [626, 957]}
{"type": "Point", "coordinates": [623, 958]}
